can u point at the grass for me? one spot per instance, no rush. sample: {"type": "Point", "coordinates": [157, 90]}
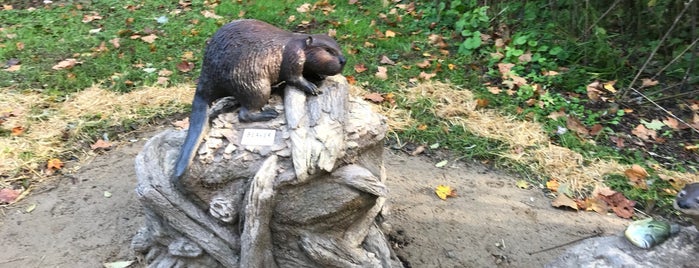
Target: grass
{"type": "Point", "coordinates": [111, 84]}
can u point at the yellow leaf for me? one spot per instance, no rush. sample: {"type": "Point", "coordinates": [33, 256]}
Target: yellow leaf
{"type": "Point", "coordinates": [522, 184]}
{"type": "Point", "coordinates": [54, 163]}
{"type": "Point", "coordinates": [444, 191]}
{"type": "Point", "coordinates": [610, 86]}
{"type": "Point", "coordinates": [552, 185]}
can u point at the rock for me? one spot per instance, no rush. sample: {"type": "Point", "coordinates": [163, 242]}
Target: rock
{"type": "Point", "coordinates": [681, 250]}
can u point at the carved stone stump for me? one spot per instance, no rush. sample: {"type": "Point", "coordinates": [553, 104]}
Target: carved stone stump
{"type": "Point", "coordinates": [303, 190]}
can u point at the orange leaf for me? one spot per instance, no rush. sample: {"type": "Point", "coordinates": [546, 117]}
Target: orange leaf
{"type": "Point", "coordinates": [54, 164]}
{"type": "Point", "coordinates": [422, 127]}
{"type": "Point", "coordinates": [637, 175]}
{"type": "Point", "coordinates": [18, 130]}
{"type": "Point", "coordinates": [444, 191]}
{"type": "Point", "coordinates": [360, 68]}
{"type": "Point", "coordinates": [481, 103]}
{"type": "Point", "coordinates": [351, 80]}
{"type": "Point", "coordinates": [552, 185]}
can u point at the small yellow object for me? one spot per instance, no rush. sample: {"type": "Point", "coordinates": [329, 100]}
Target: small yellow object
{"type": "Point", "coordinates": [522, 184]}
{"type": "Point", "coordinates": [444, 191]}
{"type": "Point", "coordinates": [610, 86]}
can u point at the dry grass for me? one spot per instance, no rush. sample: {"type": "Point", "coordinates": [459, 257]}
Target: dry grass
{"type": "Point", "coordinates": [46, 121]}
{"type": "Point", "coordinates": [528, 143]}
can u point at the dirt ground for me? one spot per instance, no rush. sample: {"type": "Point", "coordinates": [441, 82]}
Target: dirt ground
{"type": "Point", "coordinates": [88, 218]}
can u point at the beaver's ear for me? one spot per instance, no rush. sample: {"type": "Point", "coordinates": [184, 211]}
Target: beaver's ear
{"type": "Point", "coordinates": [309, 40]}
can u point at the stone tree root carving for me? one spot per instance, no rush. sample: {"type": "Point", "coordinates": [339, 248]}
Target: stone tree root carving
{"type": "Point", "coordinates": [304, 190]}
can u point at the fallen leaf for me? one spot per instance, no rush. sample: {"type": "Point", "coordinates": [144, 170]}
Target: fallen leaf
{"type": "Point", "coordinates": [115, 42]}
{"type": "Point", "coordinates": [574, 124]}
{"type": "Point", "coordinates": [422, 127]}
{"type": "Point", "coordinates": [593, 204]}
{"type": "Point", "coordinates": [162, 80]}
{"type": "Point", "coordinates": [552, 185]}
{"type": "Point", "coordinates": [522, 184]}
{"type": "Point", "coordinates": [90, 17]}
{"type": "Point", "coordinates": [54, 164]}
{"type": "Point", "coordinates": [8, 195]}
{"type": "Point", "coordinates": [117, 264]}
{"type": "Point", "coordinates": [444, 191]}
{"type": "Point", "coordinates": [644, 133]}
{"type": "Point", "coordinates": [441, 163]}
{"type": "Point", "coordinates": [593, 91]}
{"type": "Point", "coordinates": [621, 206]}
{"type": "Point", "coordinates": [149, 38]}
{"type": "Point", "coordinates": [18, 130]}
{"type": "Point", "coordinates": [101, 144]}
{"type": "Point", "coordinates": [494, 90]}
{"type": "Point", "coordinates": [481, 103]}
{"type": "Point", "coordinates": [66, 64]}
{"type": "Point", "coordinates": [390, 33]}
{"type": "Point", "coordinates": [164, 72]}
{"type": "Point", "coordinates": [381, 73]}
{"type": "Point", "coordinates": [360, 68]}
{"type": "Point", "coordinates": [654, 124]}
{"type": "Point", "coordinates": [426, 76]}
{"type": "Point", "coordinates": [304, 8]}
{"type": "Point", "coordinates": [647, 82]}
{"type": "Point", "coordinates": [210, 14]}
{"type": "Point", "coordinates": [30, 208]}
{"type": "Point", "coordinates": [637, 176]}
{"type": "Point", "coordinates": [182, 124]}
{"type": "Point", "coordinates": [609, 86]}
{"type": "Point", "coordinates": [505, 68]}
{"type": "Point", "coordinates": [185, 66]}
{"type": "Point", "coordinates": [374, 97]}
{"type": "Point", "coordinates": [386, 60]}
{"type": "Point", "coordinates": [563, 201]}
{"type": "Point", "coordinates": [596, 129]}
{"type": "Point", "coordinates": [418, 150]}
{"type": "Point", "coordinates": [557, 114]}
{"type": "Point", "coordinates": [550, 73]}
{"type": "Point", "coordinates": [672, 123]}
{"type": "Point", "coordinates": [424, 64]}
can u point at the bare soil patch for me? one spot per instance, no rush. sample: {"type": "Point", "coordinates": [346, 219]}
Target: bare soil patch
{"type": "Point", "coordinates": [490, 222]}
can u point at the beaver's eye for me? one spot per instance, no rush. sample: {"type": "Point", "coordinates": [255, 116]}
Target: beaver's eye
{"type": "Point", "coordinates": [681, 194]}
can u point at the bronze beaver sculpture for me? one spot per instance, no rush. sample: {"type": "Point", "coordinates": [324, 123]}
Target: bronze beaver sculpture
{"type": "Point", "coordinates": [245, 59]}
{"type": "Point", "coordinates": [687, 202]}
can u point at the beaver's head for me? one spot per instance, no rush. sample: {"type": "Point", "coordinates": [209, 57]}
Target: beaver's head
{"type": "Point", "coordinates": [688, 198]}
{"type": "Point", "coordinates": [323, 56]}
